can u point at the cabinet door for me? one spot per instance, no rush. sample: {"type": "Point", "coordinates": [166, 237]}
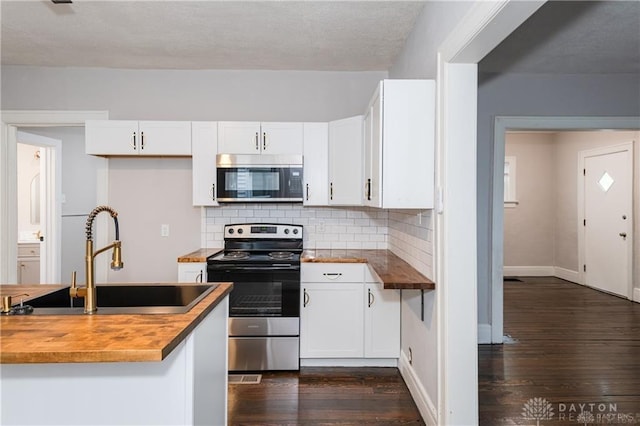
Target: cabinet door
{"type": "Point", "coordinates": [345, 161]}
{"type": "Point", "coordinates": [331, 320]}
{"type": "Point", "coordinates": [316, 164]}
{"type": "Point", "coordinates": [239, 137]}
{"type": "Point", "coordinates": [111, 137]}
{"type": "Point", "coordinates": [204, 147]}
{"type": "Point", "coordinates": [29, 271]}
{"type": "Point", "coordinates": [375, 154]}
{"type": "Point", "coordinates": [408, 138]}
{"type": "Point", "coordinates": [381, 322]}
{"type": "Point", "coordinates": [190, 272]}
{"type": "Point", "coordinates": [165, 138]}
{"type": "Point", "coordinates": [282, 138]}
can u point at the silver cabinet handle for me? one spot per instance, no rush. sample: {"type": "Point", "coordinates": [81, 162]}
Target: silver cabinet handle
{"type": "Point", "coordinates": [199, 277]}
{"type": "Point", "coordinates": [331, 191]}
{"type": "Point", "coordinates": [371, 297]}
{"type": "Point", "coordinates": [141, 140]}
{"type": "Point", "coordinates": [307, 192]}
{"type": "Point", "coordinates": [306, 298]}
{"type": "Point", "coordinates": [212, 193]}
{"type": "Point", "coordinates": [134, 141]}
{"type": "Point", "coordinates": [264, 141]}
{"type": "Point", "coordinates": [257, 142]}
{"type": "Point", "coordinates": [332, 275]}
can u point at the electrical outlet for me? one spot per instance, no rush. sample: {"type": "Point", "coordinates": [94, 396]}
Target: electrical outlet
{"type": "Point", "coordinates": [320, 227]}
{"type": "Point", "coordinates": [164, 230]}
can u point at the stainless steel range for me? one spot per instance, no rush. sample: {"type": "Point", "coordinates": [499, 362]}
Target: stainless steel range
{"type": "Point", "coordinates": [263, 262]}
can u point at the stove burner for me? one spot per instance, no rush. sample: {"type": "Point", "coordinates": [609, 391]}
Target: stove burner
{"type": "Point", "coordinates": [281, 255]}
{"type": "Point", "coordinates": [235, 255]}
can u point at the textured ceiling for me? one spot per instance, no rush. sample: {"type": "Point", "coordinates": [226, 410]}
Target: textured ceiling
{"type": "Point", "coordinates": [561, 37]}
{"type": "Point", "coordinates": [272, 35]}
{"type": "Point", "coordinates": [572, 37]}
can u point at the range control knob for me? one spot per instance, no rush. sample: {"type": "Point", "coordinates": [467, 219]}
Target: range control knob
{"type": "Point", "coordinates": [230, 230]}
{"type": "Point", "coordinates": [286, 231]}
{"type": "Point", "coordinates": [240, 231]}
{"type": "Point", "coordinates": [295, 231]}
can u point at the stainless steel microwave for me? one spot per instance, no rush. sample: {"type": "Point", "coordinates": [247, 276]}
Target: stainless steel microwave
{"type": "Point", "coordinates": [259, 178]}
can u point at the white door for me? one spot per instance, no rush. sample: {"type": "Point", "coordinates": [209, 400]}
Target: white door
{"type": "Point", "coordinates": [608, 218]}
{"type": "Point", "coordinates": [49, 200]}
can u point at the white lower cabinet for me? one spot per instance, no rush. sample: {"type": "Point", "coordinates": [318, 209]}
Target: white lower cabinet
{"type": "Point", "coordinates": [343, 315]}
{"type": "Point", "coordinates": [192, 272]}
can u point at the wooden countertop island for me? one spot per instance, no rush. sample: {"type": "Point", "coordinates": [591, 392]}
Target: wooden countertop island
{"type": "Point", "coordinates": [95, 338]}
{"type": "Point", "coordinates": [138, 369]}
{"type": "Point", "coordinates": [393, 272]}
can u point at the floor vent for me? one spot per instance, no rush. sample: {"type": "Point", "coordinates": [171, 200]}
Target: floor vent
{"type": "Point", "coordinates": [244, 379]}
{"type": "Point", "coordinates": [512, 279]}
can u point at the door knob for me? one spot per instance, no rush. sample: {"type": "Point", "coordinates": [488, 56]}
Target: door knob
{"type": "Point", "coordinates": [623, 235]}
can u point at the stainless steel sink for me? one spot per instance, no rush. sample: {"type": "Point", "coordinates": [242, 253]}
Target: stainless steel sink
{"type": "Point", "coordinates": [125, 299]}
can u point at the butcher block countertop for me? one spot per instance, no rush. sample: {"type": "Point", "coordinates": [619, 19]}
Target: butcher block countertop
{"type": "Point", "coordinates": [199, 255]}
{"type": "Point", "coordinates": [394, 272]}
{"type": "Point", "coordinates": [95, 338]}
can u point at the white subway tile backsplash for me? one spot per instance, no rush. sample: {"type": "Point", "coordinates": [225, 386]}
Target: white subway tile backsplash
{"type": "Point", "coordinates": [409, 234]}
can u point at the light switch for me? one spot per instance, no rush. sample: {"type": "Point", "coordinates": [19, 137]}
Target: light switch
{"type": "Point", "coordinates": [164, 230]}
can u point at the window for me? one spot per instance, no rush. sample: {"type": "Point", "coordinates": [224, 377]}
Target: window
{"type": "Point", "coordinates": [510, 199]}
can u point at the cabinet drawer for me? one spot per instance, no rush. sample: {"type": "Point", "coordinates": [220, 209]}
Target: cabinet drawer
{"type": "Point", "coordinates": [332, 272]}
{"type": "Point", "coordinates": [26, 250]}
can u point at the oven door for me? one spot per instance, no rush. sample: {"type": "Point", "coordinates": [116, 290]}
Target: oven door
{"type": "Point", "coordinates": [255, 183]}
{"type": "Point", "coordinates": [260, 291]}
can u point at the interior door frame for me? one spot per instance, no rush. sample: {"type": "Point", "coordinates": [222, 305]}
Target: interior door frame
{"type": "Point", "coordinates": [582, 156]}
{"type": "Point", "coordinates": [11, 121]}
{"type": "Point", "coordinates": [503, 124]}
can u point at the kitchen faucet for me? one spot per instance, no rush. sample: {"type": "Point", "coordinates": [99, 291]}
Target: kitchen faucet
{"type": "Point", "coordinates": [89, 292]}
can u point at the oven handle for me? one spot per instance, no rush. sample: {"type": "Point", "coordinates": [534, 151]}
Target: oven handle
{"type": "Point", "coordinates": [274, 267]}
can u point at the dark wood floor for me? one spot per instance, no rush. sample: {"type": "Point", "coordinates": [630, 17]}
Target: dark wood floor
{"type": "Point", "coordinates": [325, 396]}
{"type": "Point", "coordinates": [571, 345]}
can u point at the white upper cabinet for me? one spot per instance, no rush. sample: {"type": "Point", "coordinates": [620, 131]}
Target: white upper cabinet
{"type": "Point", "coordinates": [399, 145]}
{"type": "Point", "coordinates": [316, 164]}
{"type": "Point", "coordinates": [252, 137]}
{"type": "Point", "coordinates": [345, 161]}
{"type": "Point", "coordinates": [125, 137]}
{"type": "Point", "coordinates": [204, 146]}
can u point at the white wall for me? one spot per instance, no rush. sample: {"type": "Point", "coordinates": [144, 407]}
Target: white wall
{"type": "Point", "coordinates": [28, 168]}
{"type": "Point", "coordinates": [411, 237]}
{"type": "Point", "coordinates": [536, 95]}
{"type": "Point", "coordinates": [530, 225]}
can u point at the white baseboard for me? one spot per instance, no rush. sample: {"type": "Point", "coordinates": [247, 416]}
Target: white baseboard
{"type": "Point", "coordinates": [566, 274]}
{"type": "Point", "coordinates": [528, 271]}
{"type": "Point", "coordinates": [636, 294]}
{"type": "Point", "coordinates": [419, 394]}
{"type": "Point", "coordinates": [348, 362]}
{"type": "Point", "coordinates": [484, 334]}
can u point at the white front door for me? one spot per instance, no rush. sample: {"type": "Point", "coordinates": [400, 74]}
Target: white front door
{"type": "Point", "coordinates": [608, 218]}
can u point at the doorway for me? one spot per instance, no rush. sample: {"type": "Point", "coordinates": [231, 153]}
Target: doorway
{"type": "Point", "coordinates": [502, 125]}
{"type": "Point", "coordinates": [11, 121]}
{"type": "Point", "coordinates": [38, 188]}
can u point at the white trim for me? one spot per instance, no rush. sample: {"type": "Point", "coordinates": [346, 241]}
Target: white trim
{"type": "Point", "coordinates": [502, 124]}
{"type": "Point", "coordinates": [566, 274]}
{"type": "Point", "coordinates": [484, 334]}
{"type": "Point", "coordinates": [582, 156]}
{"type": "Point", "coordinates": [8, 219]}
{"type": "Point", "coordinates": [455, 228]}
{"type": "Point", "coordinates": [636, 294]}
{"type": "Point", "coordinates": [348, 362]}
{"type": "Point", "coordinates": [419, 394]}
{"type": "Point", "coordinates": [529, 271]}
